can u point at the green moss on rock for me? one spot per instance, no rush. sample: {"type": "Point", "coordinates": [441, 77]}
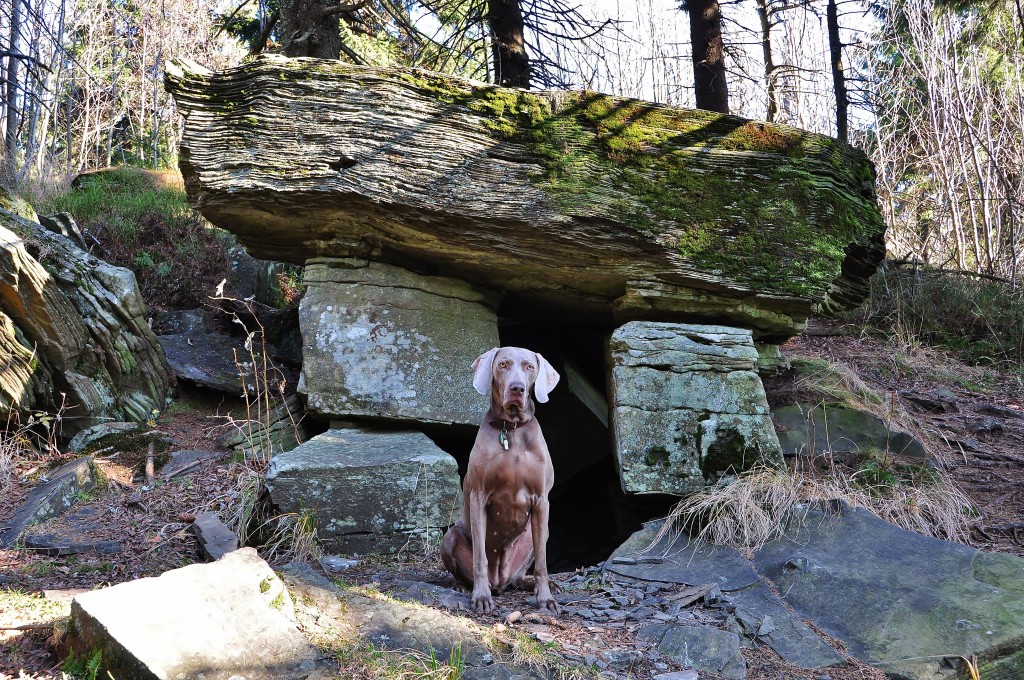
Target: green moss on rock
{"type": "Point", "coordinates": [756, 226]}
{"type": "Point", "coordinates": [753, 205]}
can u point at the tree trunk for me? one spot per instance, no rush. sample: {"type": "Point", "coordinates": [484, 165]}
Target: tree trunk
{"type": "Point", "coordinates": [835, 47]}
{"type": "Point", "coordinates": [11, 97]}
{"type": "Point", "coordinates": [508, 45]}
{"type": "Point", "coordinates": [770, 83]}
{"type": "Point", "coordinates": [708, 55]}
{"type": "Point", "coordinates": [308, 31]}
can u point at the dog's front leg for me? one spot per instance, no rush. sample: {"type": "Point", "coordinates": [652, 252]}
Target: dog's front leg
{"type": "Point", "coordinates": [481, 599]}
{"type": "Point", "coordinates": [539, 522]}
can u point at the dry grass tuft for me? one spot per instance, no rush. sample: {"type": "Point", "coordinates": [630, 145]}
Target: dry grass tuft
{"type": "Point", "coordinates": [753, 508]}
{"type": "Point", "coordinates": [365, 660]}
{"type": "Point", "coordinates": [279, 538]}
{"type": "Point", "coordinates": [745, 511]}
{"type": "Point", "coordinates": [22, 441]}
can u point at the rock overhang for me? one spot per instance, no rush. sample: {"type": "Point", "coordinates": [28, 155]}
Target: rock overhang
{"type": "Point", "coordinates": [582, 202]}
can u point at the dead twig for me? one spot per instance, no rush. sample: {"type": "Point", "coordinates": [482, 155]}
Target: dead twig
{"type": "Point", "coordinates": [150, 473]}
{"type": "Point", "coordinates": [183, 468]}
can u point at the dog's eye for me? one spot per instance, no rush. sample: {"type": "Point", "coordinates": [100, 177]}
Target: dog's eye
{"type": "Point", "coordinates": [503, 365]}
{"type": "Point", "coordinates": [529, 367]}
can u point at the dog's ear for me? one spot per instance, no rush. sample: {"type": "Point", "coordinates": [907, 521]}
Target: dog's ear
{"type": "Point", "coordinates": [482, 371]}
{"type": "Point", "coordinates": [547, 378]}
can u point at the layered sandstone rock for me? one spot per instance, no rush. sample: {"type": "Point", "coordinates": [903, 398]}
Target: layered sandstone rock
{"type": "Point", "coordinates": [577, 201]}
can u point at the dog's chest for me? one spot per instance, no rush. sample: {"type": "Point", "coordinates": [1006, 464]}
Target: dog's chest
{"type": "Point", "coordinates": [508, 511]}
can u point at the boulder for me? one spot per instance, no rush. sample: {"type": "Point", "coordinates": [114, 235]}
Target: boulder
{"type": "Point", "coordinates": [229, 618]}
{"type": "Point", "coordinates": [383, 342]}
{"type": "Point", "coordinates": [581, 202]}
{"type": "Point", "coordinates": [213, 360]}
{"type": "Point", "coordinates": [687, 406]}
{"type": "Point", "coordinates": [369, 491]}
{"type": "Point", "coordinates": [81, 325]}
{"type": "Point", "coordinates": [806, 429]}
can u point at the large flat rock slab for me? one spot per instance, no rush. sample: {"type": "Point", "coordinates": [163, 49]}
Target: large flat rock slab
{"type": "Point", "coordinates": [911, 605]}
{"type": "Point", "coordinates": [687, 406]}
{"type": "Point", "coordinates": [583, 202]}
{"type": "Point", "coordinates": [383, 342]}
{"type": "Point", "coordinates": [758, 612]}
{"type": "Point", "coordinates": [902, 601]}
{"type": "Point", "coordinates": [226, 619]}
{"type": "Point", "coordinates": [368, 490]}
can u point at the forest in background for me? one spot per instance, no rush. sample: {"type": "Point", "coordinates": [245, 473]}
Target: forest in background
{"type": "Point", "coordinates": [931, 90]}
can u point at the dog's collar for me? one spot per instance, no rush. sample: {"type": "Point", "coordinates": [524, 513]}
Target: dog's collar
{"type": "Point", "coordinates": [505, 433]}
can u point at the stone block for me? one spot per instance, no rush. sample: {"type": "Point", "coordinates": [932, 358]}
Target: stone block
{"type": "Point", "coordinates": [383, 342]}
{"type": "Point", "coordinates": [230, 618]}
{"type": "Point", "coordinates": [369, 491]}
{"type": "Point", "coordinates": [687, 406]}
{"type": "Point", "coordinates": [214, 537]}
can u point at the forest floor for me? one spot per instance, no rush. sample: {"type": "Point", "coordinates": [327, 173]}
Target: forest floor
{"type": "Point", "coordinates": [977, 436]}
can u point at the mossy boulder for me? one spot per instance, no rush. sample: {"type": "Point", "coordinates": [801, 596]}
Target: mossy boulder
{"type": "Point", "coordinates": [812, 429]}
{"type": "Point", "coordinates": [76, 330]}
{"type": "Point", "coordinates": [581, 201]}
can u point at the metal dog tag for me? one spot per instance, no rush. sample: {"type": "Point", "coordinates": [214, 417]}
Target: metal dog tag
{"type": "Point", "coordinates": [503, 439]}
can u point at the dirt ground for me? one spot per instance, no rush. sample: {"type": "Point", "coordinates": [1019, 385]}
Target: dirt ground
{"type": "Point", "coordinates": [981, 440]}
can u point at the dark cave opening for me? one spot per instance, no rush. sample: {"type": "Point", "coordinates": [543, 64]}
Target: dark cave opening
{"type": "Point", "coordinates": [590, 514]}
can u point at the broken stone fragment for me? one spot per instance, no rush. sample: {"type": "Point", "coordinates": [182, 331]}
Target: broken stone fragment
{"type": "Point", "coordinates": [215, 538]}
{"type": "Point", "coordinates": [657, 212]}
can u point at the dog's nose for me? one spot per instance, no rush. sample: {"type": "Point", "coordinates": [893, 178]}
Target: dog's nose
{"type": "Point", "coordinates": [517, 388]}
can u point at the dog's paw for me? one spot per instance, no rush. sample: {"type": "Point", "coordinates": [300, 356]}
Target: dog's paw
{"type": "Point", "coordinates": [483, 604]}
{"type": "Point", "coordinates": [548, 605]}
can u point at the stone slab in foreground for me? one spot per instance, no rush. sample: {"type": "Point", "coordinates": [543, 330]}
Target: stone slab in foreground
{"type": "Point", "coordinates": [226, 619]}
{"type": "Point", "coordinates": [579, 201]}
{"type": "Point", "coordinates": [687, 406]}
{"type": "Point", "coordinates": [369, 491]}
